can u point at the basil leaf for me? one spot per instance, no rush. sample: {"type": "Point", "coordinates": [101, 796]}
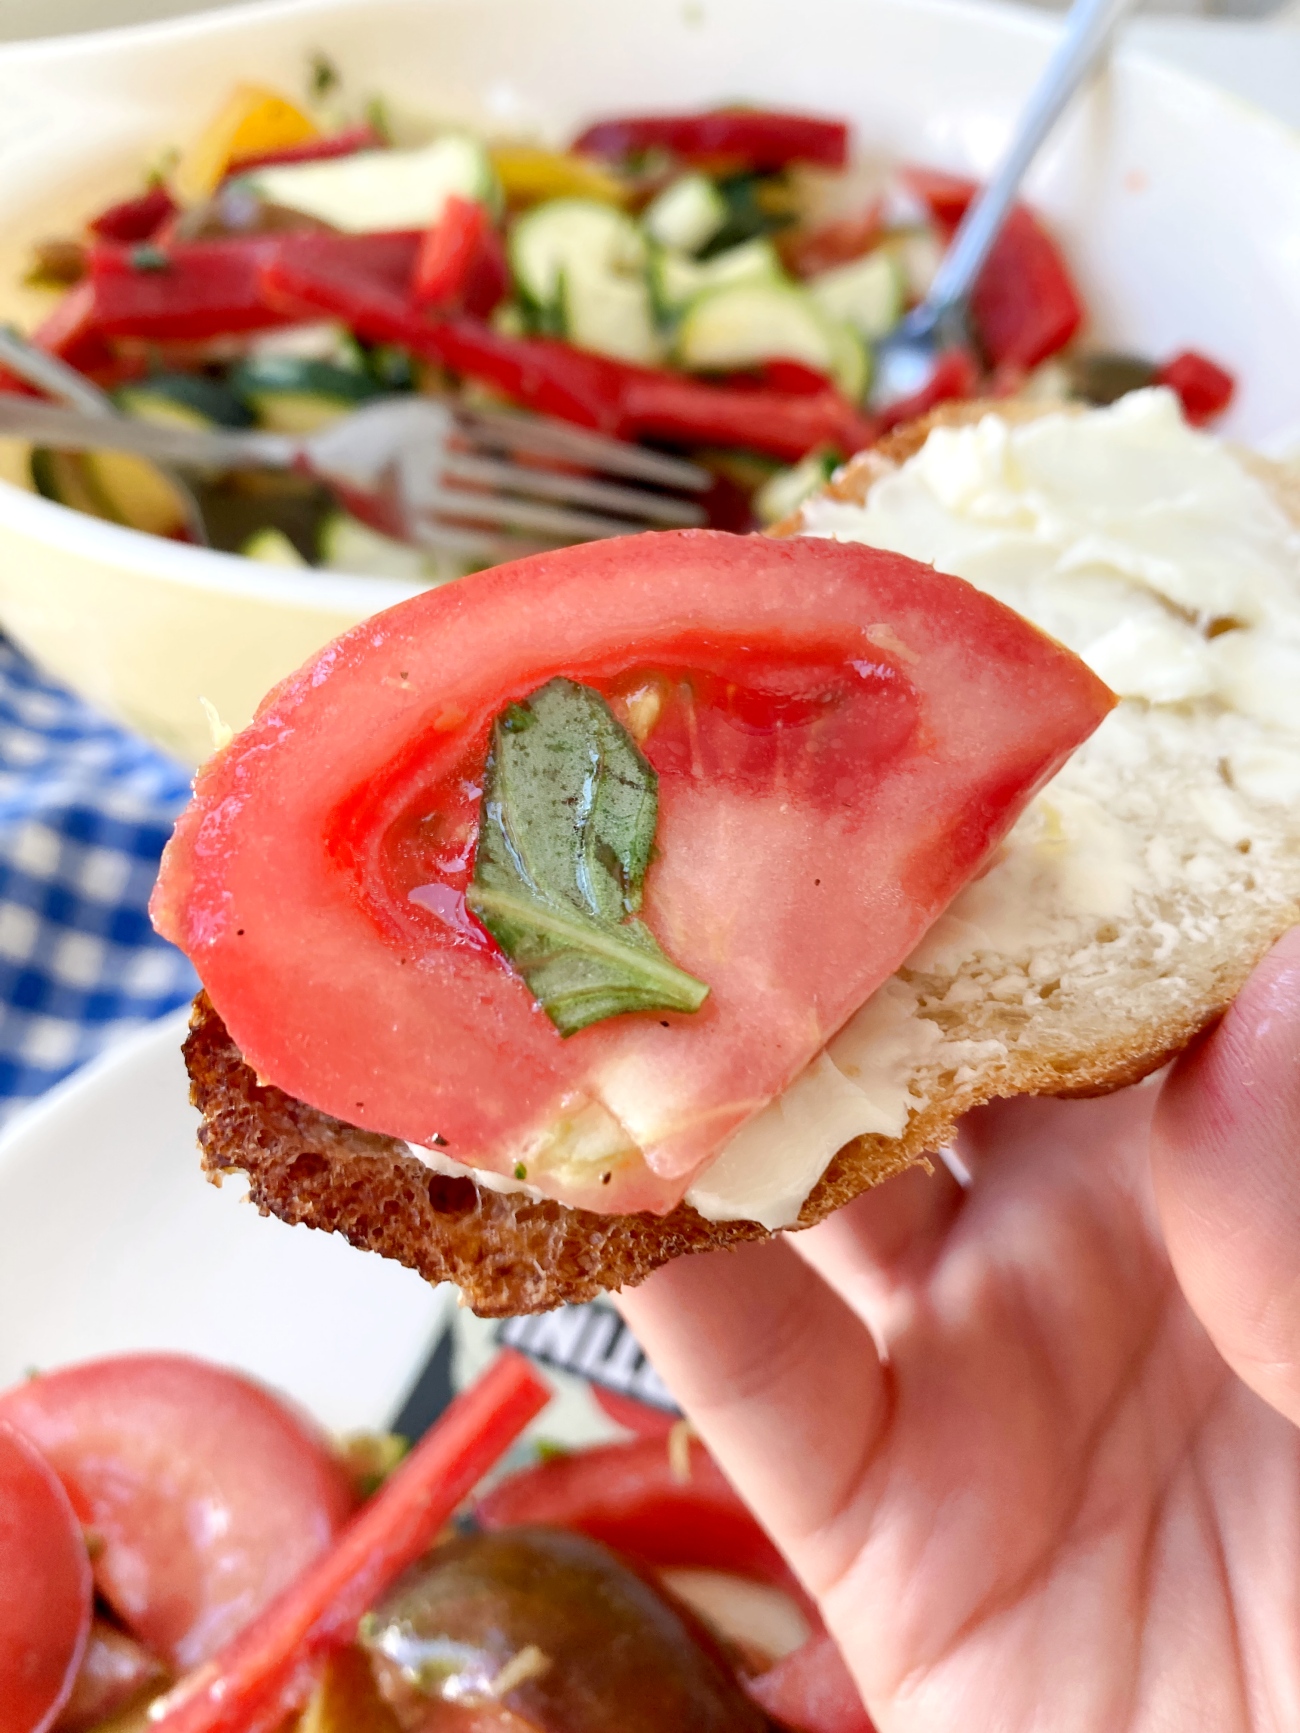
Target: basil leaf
{"type": "Point", "coordinates": [567, 826]}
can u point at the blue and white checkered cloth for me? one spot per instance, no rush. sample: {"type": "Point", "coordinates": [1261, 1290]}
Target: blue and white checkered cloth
{"type": "Point", "coordinates": [85, 809]}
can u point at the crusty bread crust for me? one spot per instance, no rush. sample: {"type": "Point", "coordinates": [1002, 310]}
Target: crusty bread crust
{"type": "Point", "coordinates": [506, 1253]}
{"type": "Point", "coordinates": [509, 1254]}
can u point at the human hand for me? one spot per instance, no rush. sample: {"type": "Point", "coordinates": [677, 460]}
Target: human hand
{"type": "Point", "coordinates": [1064, 1493]}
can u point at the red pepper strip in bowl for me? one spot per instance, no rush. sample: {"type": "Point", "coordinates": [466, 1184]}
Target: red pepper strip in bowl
{"type": "Point", "coordinates": [134, 219]}
{"type": "Point", "coordinates": [345, 143]}
{"type": "Point", "coordinates": [812, 1691]}
{"type": "Point", "coordinates": [71, 332]}
{"type": "Point", "coordinates": [311, 276]}
{"type": "Point", "coordinates": [683, 411]}
{"type": "Point", "coordinates": [956, 375]}
{"type": "Point", "coordinates": [1025, 305]}
{"type": "Point", "coordinates": [267, 1671]}
{"type": "Point", "coordinates": [461, 266]}
{"type": "Point", "coordinates": [757, 138]}
{"type": "Point", "coordinates": [187, 290]}
{"type": "Point", "coordinates": [1205, 389]}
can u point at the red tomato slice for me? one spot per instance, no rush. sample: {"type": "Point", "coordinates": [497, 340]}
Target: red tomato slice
{"type": "Point", "coordinates": [209, 1493]}
{"type": "Point", "coordinates": [844, 736]}
{"type": "Point", "coordinates": [812, 1691]}
{"type": "Point", "coordinates": [45, 1590]}
{"type": "Point", "coordinates": [628, 1496]}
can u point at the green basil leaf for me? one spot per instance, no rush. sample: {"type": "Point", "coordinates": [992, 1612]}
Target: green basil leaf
{"type": "Point", "coordinates": [567, 826]}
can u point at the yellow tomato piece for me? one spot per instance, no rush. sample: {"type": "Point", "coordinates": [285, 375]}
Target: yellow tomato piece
{"type": "Point", "coordinates": [252, 120]}
{"type": "Point", "coordinates": [346, 1699]}
{"type": "Point", "coordinates": [528, 175]}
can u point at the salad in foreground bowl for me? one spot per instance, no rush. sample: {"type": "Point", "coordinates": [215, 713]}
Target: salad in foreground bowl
{"type": "Point", "coordinates": [185, 1551]}
{"type": "Point", "coordinates": [712, 283]}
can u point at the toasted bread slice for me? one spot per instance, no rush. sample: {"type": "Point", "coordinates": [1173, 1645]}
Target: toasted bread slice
{"type": "Point", "coordinates": [1081, 1007]}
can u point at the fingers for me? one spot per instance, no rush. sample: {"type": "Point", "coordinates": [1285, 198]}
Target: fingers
{"type": "Point", "coordinates": [782, 1381]}
{"type": "Point", "coordinates": [1226, 1165]}
{"type": "Point", "coordinates": [887, 1239]}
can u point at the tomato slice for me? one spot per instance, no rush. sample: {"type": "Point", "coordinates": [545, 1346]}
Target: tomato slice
{"type": "Point", "coordinates": [843, 738]}
{"type": "Point", "coordinates": [630, 1496]}
{"type": "Point", "coordinates": [45, 1589]}
{"type": "Point", "coordinates": [208, 1493]}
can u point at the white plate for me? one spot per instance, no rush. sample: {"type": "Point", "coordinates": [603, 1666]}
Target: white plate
{"type": "Point", "coordinates": [1179, 205]}
{"type": "Point", "coordinates": [111, 1239]}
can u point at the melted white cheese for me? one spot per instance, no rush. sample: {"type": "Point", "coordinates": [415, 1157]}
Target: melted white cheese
{"type": "Point", "coordinates": [1152, 552]}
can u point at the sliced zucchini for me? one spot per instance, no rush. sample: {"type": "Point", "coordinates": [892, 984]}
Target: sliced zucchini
{"type": "Point", "coordinates": [63, 477]}
{"type": "Point", "coordinates": [273, 548]}
{"type": "Point", "coordinates": [383, 189]}
{"type": "Point", "coordinates": [112, 485]}
{"type": "Point", "coordinates": [557, 240]}
{"type": "Point", "coordinates": [610, 314]}
{"type": "Point", "coordinates": [784, 492]}
{"type": "Point", "coordinates": [851, 361]}
{"type": "Point", "coordinates": [348, 545]}
{"type": "Point", "coordinates": [293, 396]}
{"type": "Point", "coordinates": [183, 400]}
{"type": "Point", "coordinates": [686, 215]}
{"type": "Point", "coordinates": [748, 323]}
{"type": "Point", "coordinates": [918, 252]}
{"type": "Point", "coordinates": [869, 293]}
{"type": "Point", "coordinates": [676, 281]}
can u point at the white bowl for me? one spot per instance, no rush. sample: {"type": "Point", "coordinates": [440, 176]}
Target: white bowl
{"type": "Point", "coordinates": [1179, 206]}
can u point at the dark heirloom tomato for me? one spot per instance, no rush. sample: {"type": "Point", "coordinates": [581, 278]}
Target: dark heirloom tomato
{"type": "Point", "coordinates": [547, 1632]}
{"type": "Point", "coordinates": [841, 736]}
{"type": "Point", "coordinates": [207, 1493]}
{"type": "Point", "coordinates": [45, 1589]}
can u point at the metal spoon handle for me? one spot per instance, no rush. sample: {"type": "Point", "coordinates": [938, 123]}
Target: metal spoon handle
{"type": "Point", "coordinates": [1087, 27]}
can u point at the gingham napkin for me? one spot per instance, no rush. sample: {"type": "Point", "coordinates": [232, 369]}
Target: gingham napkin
{"type": "Point", "coordinates": [85, 809]}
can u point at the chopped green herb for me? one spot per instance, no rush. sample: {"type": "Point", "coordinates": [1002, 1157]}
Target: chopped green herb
{"type": "Point", "coordinates": [568, 819]}
{"type": "Point", "coordinates": [521, 1172]}
{"type": "Point", "coordinates": [377, 117]}
{"type": "Point", "coordinates": [149, 258]}
{"type": "Point", "coordinates": [323, 76]}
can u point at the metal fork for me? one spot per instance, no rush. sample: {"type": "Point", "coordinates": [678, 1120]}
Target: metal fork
{"type": "Point", "coordinates": [487, 483]}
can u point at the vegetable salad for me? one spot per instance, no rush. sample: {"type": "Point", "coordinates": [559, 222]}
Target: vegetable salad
{"type": "Point", "coordinates": [713, 283]}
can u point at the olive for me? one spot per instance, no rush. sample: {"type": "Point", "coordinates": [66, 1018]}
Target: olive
{"type": "Point", "coordinates": [1103, 378]}
{"type": "Point", "coordinates": [541, 1629]}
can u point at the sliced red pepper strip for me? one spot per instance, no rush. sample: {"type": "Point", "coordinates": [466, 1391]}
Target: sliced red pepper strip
{"type": "Point", "coordinates": [345, 143]}
{"type": "Point", "coordinates": [187, 290]}
{"type": "Point", "coordinates": [1025, 305]}
{"type": "Point", "coordinates": [812, 1691]}
{"type": "Point", "coordinates": [266, 1671]}
{"type": "Point", "coordinates": [71, 331]}
{"type": "Point", "coordinates": [134, 219]}
{"type": "Point", "coordinates": [461, 266]}
{"type": "Point", "coordinates": [956, 375]}
{"type": "Point", "coordinates": [1205, 388]}
{"type": "Point", "coordinates": [756, 138]}
{"type": "Point", "coordinates": [685, 411]}
{"type": "Point", "coordinates": [310, 276]}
